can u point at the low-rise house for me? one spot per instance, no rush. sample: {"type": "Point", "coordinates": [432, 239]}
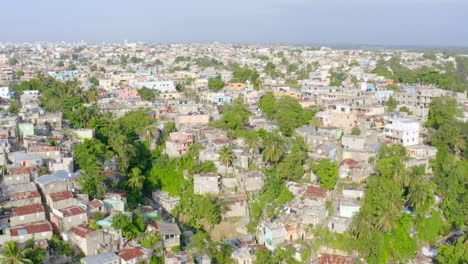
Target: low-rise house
{"type": "Point", "coordinates": [131, 256]}
{"type": "Point", "coordinates": [205, 183]}
{"type": "Point", "coordinates": [164, 200]}
{"type": "Point", "coordinates": [36, 231]}
{"type": "Point", "coordinates": [89, 240]}
{"type": "Point", "coordinates": [253, 182]}
{"type": "Point", "coordinates": [23, 198]}
{"type": "Point", "coordinates": [95, 206]}
{"type": "Point", "coordinates": [170, 233]}
{"type": "Point", "coordinates": [243, 255]}
{"type": "Point", "coordinates": [115, 200]}
{"type": "Point", "coordinates": [103, 258]}
{"type": "Point", "coordinates": [27, 214]}
{"type": "Point", "coordinates": [315, 195]}
{"type": "Point", "coordinates": [17, 175]}
{"type": "Point", "coordinates": [66, 218]}
{"type": "Point", "coordinates": [353, 193]}
{"type": "Point", "coordinates": [60, 181]}
{"type": "Point", "coordinates": [314, 215]}
{"type": "Point", "coordinates": [176, 258]}
{"type": "Point", "coordinates": [237, 206]}
{"type": "Point", "coordinates": [328, 151]}
{"type": "Point", "coordinates": [178, 143]}
{"type": "Point", "coordinates": [348, 208]}
{"type": "Point", "coordinates": [271, 234]}
{"type": "Point", "coordinates": [25, 159]}
{"type": "Point", "coordinates": [49, 184]}
{"type": "Point", "coordinates": [353, 142]}
{"type": "Point", "coordinates": [60, 200]}
{"type": "Point", "coordinates": [355, 170]}
{"type": "Point", "coordinates": [45, 151]}
{"type": "Point", "coordinates": [339, 224]}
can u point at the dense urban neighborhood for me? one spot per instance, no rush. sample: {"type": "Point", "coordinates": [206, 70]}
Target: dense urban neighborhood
{"type": "Point", "coordinates": [125, 153]}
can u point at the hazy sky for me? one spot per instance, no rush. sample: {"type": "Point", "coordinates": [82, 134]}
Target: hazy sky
{"type": "Point", "coordinates": [396, 22]}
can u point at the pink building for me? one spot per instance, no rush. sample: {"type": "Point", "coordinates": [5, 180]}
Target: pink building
{"type": "Point", "coordinates": [126, 93]}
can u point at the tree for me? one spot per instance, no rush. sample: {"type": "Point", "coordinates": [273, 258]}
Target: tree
{"type": "Point", "coordinates": [136, 179]}
{"type": "Point", "coordinates": [290, 115]}
{"type": "Point", "coordinates": [92, 183]}
{"type": "Point", "coordinates": [356, 131]}
{"type": "Point", "coordinates": [391, 104]}
{"type": "Point", "coordinates": [263, 256]}
{"type": "Point", "coordinates": [147, 93]}
{"type": "Point", "coordinates": [252, 143]}
{"type": "Point", "coordinates": [327, 173]}
{"type": "Point", "coordinates": [274, 147]}
{"type": "Point", "coordinates": [421, 196]}
{"type": "Point", "coordinates": [19, 74]}
{"type": "Point", "coordinates": [33, 252]}
{"type": "Point", "coordinates": [226, 156]}
{"type": "Point", "coordinates": [14, 107]}
{"type": "Point", "coordinates": [12, 254]}
{"type": "Point", "coordinates": [267, 104]}
{"type": "Point", "coordinates": [216, 83]}
{"type": "Point", "coordinates": [337, 78]}
{"type": "Point", "coordinates": [442, 110]}
{"type": "Point", "coordinates": [291, 168]}
{"type": "Point", "coordinates": [453, 254]}
{"type": "Point", "coordinates": [393, 87]}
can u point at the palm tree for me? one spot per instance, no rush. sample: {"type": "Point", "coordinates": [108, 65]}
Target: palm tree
{"type": "Point", "coordinates": [12, 254]}
{"type": "Point", "coordinates": [420, 195]}
{"type": "Point", "coordinates": [226, 156]}
{"type": "Point", "coordinates": [136, 179]}
{"type": "Point", "coordinates": [274, 148]}
{"type": "Point", "coordinates": [252, 143]}
{"type": "Point", "coordinates": [362, 225]}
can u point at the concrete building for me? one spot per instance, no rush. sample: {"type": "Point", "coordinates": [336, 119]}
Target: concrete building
{"type": "Point", "coordinates": [205, 183]}
{"type": "Point", "coordinates": [402, 131]}
{"type": "Point", "coordinates": [87, 239]}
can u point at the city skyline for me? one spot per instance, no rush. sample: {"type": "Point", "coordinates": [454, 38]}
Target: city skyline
{"type": "Point", "coordinates": [361, 22]}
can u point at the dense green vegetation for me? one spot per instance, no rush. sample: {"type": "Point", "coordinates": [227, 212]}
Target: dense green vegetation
{"type": "Point", "coordinates": [286, 111]}
{"type": "Point", "coordinates": [216, 83]}
{"type": "Point", "coordinates": [446, 77]}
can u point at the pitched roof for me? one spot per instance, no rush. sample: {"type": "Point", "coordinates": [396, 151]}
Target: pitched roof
{"type": "Point", "coordinates": [72, 210]}
{"type": "Point", "coordinates": [95, 204]}
{"type": "Point", "coordinates": [24, 195]}
{"type": "Point", "coordinates": [28, 209]}
{"type": "Point", "coordinates": [335, 259]}
{"type": "Point", "coordinates": [350, 163]}
{"type": "Point", "coordinates": [19, 171]}
{"type": "Point", "coordinates": [166, 228]}
{"type": "Point", "coordinates": [31, 229]}
{"type": "Point", "coordinates": [82, 230]}
{"type": "Point", "coordinates": [316, 192]}
{"type": "Point", "coordinates": [131, 253]}
{"type": "Point", "coordinates": [59, 196]}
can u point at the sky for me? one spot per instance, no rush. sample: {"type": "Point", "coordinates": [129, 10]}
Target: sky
{"type": "Point", "coordinates": [372, 22]}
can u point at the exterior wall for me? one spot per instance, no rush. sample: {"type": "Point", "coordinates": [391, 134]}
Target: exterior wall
{"type": "Point", "coordinates": [16, 179]}
{"type": "Point", "coordinates": [60, 204]}
{"type": "Point", "coordinates": [66, 223]}
{"type": "Point", "coordinates": [56, 186]}
{"type": "Point", "coordinates": [353, 142]}
{"type": "Point", "coordinates": [349, 211]}
{"type": "Point", "coordinates": [39, 236]}
{"type": "Point", "coordinates": [206, 184]}
{"type": "Point", "coordinates": [26, 219]}
{"type": "Point", "coordinates": [90, 244]}
{"type": "Point", "coordinates": [403, 131]}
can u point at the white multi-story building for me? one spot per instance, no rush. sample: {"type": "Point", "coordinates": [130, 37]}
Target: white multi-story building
{"type": "Point", "coordinates": [403, 131]}
{"type": "Point", "coordinates": [5, 92]}
{"type": "Point", "coordinates": [161, 86]}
